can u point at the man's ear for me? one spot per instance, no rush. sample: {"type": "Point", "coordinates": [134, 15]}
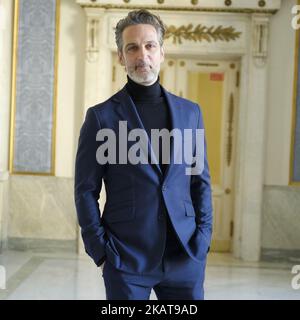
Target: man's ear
{"type": "Point", "coordinates": [121, 59]}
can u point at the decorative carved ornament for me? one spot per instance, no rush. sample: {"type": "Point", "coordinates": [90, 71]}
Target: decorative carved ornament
{"type": "Point", "coordinates": [200, 33]}
{"type": "Point", "coordinates": [230, 129]}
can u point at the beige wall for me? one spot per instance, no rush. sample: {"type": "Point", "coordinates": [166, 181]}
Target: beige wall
{"type": "Point", "coordinates": [70, 106]}
{"type": "Point", "coordinates": [43, 207]}
{"type": "Point", "coordinates": [70, 85]}
{"type": "Point", "coordinates": [62, 224]}
{"type": "Point", "coordinates": [280, 96]}
{"type": "Point", "coordinates": [6, 12]}
{"type": "Point", "coordinates": [280, 91]}
{"type": "Point", "coordinates": [280, 220]}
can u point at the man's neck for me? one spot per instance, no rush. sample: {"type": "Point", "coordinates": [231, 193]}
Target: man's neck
{"type": "Point", "coordinates": [140, 92]}
{"type": "Point", "coordinates": [145, 84]}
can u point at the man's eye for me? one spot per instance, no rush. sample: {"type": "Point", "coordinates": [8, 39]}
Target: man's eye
{"type": "Point", "coordinates": [150, 45]}
{"type": "Point", "coordinates": [131, 48]}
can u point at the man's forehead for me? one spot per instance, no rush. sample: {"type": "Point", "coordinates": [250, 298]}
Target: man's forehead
{"type": "Point", "coordinates": [144, 32]}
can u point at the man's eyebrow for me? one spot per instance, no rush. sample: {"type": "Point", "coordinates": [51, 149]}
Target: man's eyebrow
{"type": "Point", "coordinates": [151, 41]}
{"type": "Point", "coordinates": [135, 44]}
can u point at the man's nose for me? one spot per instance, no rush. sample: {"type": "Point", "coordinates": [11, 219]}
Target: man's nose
{"type": "Point", "coordinates": [142, 53]}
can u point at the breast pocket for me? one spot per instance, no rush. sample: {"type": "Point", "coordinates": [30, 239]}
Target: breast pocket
{"type": "Point", "coordinates": [119, 212]}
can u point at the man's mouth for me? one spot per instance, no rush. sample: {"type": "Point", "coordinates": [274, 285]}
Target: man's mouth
{"type": "Point", "coordinates": [143, 68]}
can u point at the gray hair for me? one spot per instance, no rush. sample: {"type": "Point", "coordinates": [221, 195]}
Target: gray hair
{"type": "Point", "coordinates": [139, 17]}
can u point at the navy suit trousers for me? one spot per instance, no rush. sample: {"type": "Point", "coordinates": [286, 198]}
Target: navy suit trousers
{"type": "Point", "coordinates": [178, 277]}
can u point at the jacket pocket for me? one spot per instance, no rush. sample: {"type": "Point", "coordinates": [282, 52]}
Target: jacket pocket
{"type": "Point", "coordinates": [189, 209]}
{"type": "Point", "coordinates": [112, 254]}
{"type": "Point", "coordinates": [119, 212]}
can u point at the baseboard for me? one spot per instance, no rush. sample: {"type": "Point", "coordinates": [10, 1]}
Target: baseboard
{"type": "Point", "coordinates": [41, 245]}
{"type": "Point", "coordinates": [280, 255]}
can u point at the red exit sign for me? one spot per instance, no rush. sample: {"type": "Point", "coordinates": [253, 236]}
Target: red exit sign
{"type": "Point", "coordinates": [216, 76]}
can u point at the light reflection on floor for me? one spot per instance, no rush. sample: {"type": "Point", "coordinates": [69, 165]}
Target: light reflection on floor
{"type": "Point", "coordinates": [67, 276]}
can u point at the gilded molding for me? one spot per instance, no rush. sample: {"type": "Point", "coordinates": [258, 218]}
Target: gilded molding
{"type": "Point", "coordinates": [12, 170]}
{"type": "Point", "coordinates": [200, 33]}
{"type": "Point", "coordinates": [13, 85]}
{"type": "Point", "coordinates": [207, 64]}
{"type": "Point", "coordinates": [230, 129]}
{"type": "Point", "coordinates": [262, 3]}
{"type": "Point", "coordinates": [292, 180]}
{"type": "Point", "coordinates": [92, 39]}
{"type": "Point", "coordinates": [260, 39]}
{"type": "Point", "coordinates": [237, 81]}
{"type": "Point", "coordinates": [183, 9]}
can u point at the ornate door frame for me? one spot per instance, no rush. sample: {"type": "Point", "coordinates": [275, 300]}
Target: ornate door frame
{"type": "Point", "coordinates": [217, 32]}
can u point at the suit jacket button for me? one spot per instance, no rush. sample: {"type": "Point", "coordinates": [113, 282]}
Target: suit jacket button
{"type": "Point", "coordinates": [164, 187]}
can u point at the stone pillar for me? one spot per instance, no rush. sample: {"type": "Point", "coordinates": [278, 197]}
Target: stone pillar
{"type": "Point", "coordinates": [98, 73]}
{"type": "Point", "coordinates": [251, 142]}
{"type": "Point", "coordinates": [98, 69]}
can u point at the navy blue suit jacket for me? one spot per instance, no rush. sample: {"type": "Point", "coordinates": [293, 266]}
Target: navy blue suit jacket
{"type": "Point", "coordinates": [131, 232]}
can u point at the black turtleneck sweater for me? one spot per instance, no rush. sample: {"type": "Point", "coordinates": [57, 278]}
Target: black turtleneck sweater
{"type": "Point", "coordinates": [152, 108]}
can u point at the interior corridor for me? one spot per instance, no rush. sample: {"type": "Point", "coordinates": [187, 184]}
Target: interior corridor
{"type": "Point", "coordinates": [66, 276]}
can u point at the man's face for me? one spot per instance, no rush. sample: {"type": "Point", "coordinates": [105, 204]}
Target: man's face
{"type": "Point", "coordinates": [141, 53]}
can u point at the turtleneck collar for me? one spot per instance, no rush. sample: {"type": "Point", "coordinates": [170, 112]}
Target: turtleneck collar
{"type": "Point", "coordinates": [140, 92]}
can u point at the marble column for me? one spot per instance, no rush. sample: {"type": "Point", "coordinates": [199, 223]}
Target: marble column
{"type": "Point", "coordinates": [98, 75]}
{"type": "Point", "coordinates": [251, 143]}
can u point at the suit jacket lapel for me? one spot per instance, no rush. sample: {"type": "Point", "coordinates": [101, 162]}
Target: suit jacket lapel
{"type": "Point", "coordinates": [128, 112]}
{"type": "Point", "coordinates": [176, 123]}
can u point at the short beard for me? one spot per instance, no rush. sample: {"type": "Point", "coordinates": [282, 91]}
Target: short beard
{"type": "Point", "coordinates": [146, 80]}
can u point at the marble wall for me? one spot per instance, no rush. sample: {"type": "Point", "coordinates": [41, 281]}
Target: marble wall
{"type": "Point", "coordinates": [296, 146]}
{"type": "Point", "coordinates": [281, 221]}
{"type": "Point", "coordinates": [41, 208]}
{"type": "Point", "coordinates": [279, 96]}
{"type": "Point", "coordinates": [4, 204]}
{"type": "Point", "coordinates": [42, 213]}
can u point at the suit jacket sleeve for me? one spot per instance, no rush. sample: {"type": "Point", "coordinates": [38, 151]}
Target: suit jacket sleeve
{"type": "Point", "coordinates": [201, 192]}
{"type": "Point", "coordinates": [88, 182]}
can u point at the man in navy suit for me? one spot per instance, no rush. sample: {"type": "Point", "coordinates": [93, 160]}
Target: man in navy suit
{"type": "Point", "coordinates": [156, 226]}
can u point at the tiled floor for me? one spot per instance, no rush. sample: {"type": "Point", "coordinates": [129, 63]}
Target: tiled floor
{"type": "Point", "coordinates": [67, 276]}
